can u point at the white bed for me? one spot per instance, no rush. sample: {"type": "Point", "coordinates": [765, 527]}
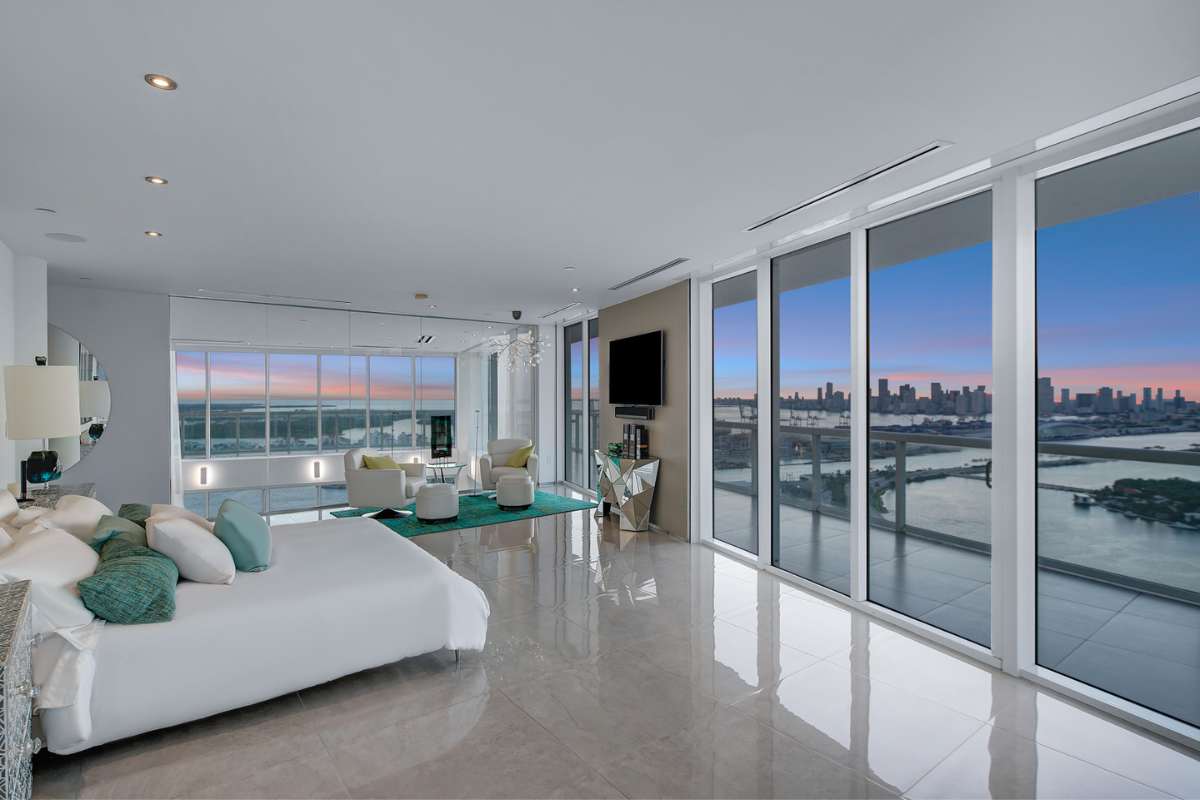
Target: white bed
{"type": "Point", "coordinates": [341, 596]}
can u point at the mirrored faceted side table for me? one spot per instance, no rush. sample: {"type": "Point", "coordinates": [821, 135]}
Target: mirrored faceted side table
{"type": "Point", "coordinates": [626, 484]}
{"type": "Point", "coordinates": [16, 693]}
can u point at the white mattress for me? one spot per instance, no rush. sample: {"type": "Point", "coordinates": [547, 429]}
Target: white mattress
{"type": "Point", "coordinates": [341, 596]}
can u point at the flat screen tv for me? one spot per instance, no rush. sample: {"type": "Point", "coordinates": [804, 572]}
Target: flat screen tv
{"type": "Point", "coordinates": [635, 370]}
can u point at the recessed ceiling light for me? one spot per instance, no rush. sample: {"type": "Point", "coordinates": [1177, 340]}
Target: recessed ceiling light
{"type": "Point", "coordinates": [154, 234]}
{"type": "Point", "coordinates": [568, 269]}
{"type": "Point", "coordinates": [433, 305]}
{"type": "Point", "coordinates": [156, 180]}
{"type": "Point", "coordinates": [575, 290]}
{"type": "Point", "coordinates": [46, 210]}
{"type": "Point", "coordinates": [84, 278]}
{"type": "Point", "coordinates": [161, 82]}
{"type": "Point", "coordinates": [73, 238]}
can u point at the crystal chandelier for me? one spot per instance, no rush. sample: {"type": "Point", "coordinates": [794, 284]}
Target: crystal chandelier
{"type": "Point", "coordinates": [519, 351]}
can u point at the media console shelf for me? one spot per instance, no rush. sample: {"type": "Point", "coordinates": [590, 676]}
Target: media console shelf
{"type": "Point", "coordinates": [626, 484]}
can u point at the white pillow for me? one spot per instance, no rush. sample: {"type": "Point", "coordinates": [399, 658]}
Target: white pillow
{"type": "Point", "coordinates": [75, 514]}
{"type": "Point", "coordinates": [164, 511]}
{"type": "Point", "coordinates": [200, 556]}
{"type": "Point", "coordinates": [53, 561]}
{"type": "Point", "coordinates": [8, 505]}
{"type": "Point", "coordinates": [26, 516]}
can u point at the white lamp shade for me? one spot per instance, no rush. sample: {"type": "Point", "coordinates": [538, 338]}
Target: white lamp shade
{"type": "Point", "coordinates": [94, 399]}
{"type": "Point", "coordinates": [41, 402]}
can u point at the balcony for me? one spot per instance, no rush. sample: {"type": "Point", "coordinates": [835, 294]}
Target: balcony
{"type": "Point", "coordinates": [1118, 593]}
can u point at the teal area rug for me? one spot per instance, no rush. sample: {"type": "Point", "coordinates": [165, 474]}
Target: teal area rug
{"type": "Point", "coordinates": [475, 511]}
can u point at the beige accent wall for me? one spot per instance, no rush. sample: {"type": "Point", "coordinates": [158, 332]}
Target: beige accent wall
{"type": "Point", "coordinates": [668, 310]}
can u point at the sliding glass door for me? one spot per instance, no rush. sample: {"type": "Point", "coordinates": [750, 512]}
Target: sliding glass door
{"type": "Point", "coordinates": [1118, 353]}
{"type": "Point", "coordinates": [735, 411]}
{"type": "Point", "coordinates": [929, 376]}
{"type": "Point", "coordinates": [810, 297]}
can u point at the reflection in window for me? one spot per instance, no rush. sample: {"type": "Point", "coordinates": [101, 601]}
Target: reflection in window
{"type": "Point", "coordinates": [1118, 403]}
{"type": "Point", "coordinates": [238, 400]}
{"type": "Point", "coordinates": [343, 402]}
{"type": "Point", "coordinates": [811, 527]}
{"type": "Point", "coordinates": [735, 411]}
{"type": "Point", "coordinates": [293, 403]}
{"type": "Point", "coordinates": [391, 402]}
{"type": "Point", "coordinates": [929, 353]}
{"type": "Point", "coordinates": [191, 394]}
{"type": "Point", "coordinates": [435, 394]}
{"type": "Point", "coordinates": [253, 498]}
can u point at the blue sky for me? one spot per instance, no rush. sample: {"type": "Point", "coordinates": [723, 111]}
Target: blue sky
{"type": "Point", "coordinates": [1117, 295]}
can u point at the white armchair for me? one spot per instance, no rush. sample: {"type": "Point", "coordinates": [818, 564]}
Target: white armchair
{"type": "Point", "coordinates": [494, 463]}
{"type": "Point", "coordinates": [386, 489]}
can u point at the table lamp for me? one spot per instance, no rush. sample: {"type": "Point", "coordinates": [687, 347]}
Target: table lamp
{"type": "Point", "coordinates": [41, 402]}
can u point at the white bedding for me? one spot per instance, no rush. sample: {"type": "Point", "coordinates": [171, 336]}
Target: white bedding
{"type": "Point", "coordinates": [341, 596]}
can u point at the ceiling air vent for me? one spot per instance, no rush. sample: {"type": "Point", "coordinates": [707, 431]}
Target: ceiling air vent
{"type": "Point", "coordinates": [870, 174]}
{"type": "Point", "coordinates": [557, 311]}
{"type": "Point", "coordinates": [425, 339]}
{"type": "Point", "coordinates": [674, 262]}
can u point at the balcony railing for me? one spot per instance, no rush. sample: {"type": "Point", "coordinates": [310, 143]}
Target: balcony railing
{"type": "Point", "coordinates": [900, 478]}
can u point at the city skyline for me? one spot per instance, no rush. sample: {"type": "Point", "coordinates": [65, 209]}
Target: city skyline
{"type": "Point", "coordinates": [1102, 319]}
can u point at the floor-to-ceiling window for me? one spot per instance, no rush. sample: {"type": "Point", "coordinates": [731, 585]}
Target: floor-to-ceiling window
{"type": "Point", "coordinates": [191, 391]}
{"type": "Point", "coordinates": [343, 402]}
{"type": "Point", "coordinates": [593, 327]}
{"type": "Point", "coordinates": [237, 403]}
{"type": "Point", "coordinates": [1118, 353]}
{"type": "Point", "coordinates": [929, 373]}
{"type": "Point", "coordinates": [391, 402]}
{"type": "Point", "coordinates": [293, 402]}
{"type": "Point", "coordinates": [735, 411]}
{"type": "Point", "coordinates": [435, 394]}
{"type": "Point", "coordinates": [574, 466]}
{"type": "Point", "coordinates": [810, 292]}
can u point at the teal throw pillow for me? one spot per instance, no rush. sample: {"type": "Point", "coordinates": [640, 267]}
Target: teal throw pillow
{"type": "Point", "coordinates": [246, 534]}
{"type": "Point", "coordinates": [134, 512]}
{"type": "Point", "coordinates": [132, 585]}
{"type": "Point", "coordinates": [110, 527]}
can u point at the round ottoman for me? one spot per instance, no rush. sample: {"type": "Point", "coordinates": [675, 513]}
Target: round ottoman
{"type": "Point", "coordinates": [514, 492]}
{"type": "Point", "coordinates": [437, 502]}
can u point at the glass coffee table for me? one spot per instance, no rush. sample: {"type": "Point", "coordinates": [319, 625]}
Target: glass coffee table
{"type": "Point", "coordinates": [440, 468]}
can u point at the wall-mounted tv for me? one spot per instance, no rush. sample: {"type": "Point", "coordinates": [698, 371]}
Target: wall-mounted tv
{"type": "Point", "coordinates": [635, 370]}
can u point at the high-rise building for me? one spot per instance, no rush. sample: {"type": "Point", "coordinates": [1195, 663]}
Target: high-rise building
{"type": "Point", "coordinates": [1045, 396]}
{"type": "Point", "coordinates": [1158, 400]}
{"type": "Point", "coordinates": [1145, 398]}
{"type": "Point", "coordinates": [1104, 401]}
{"type": "Point", "coordinates": [1065, 400]}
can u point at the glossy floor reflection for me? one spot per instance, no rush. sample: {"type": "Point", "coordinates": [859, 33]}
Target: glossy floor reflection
{"type": "Point", "coordinates": [636, 665]}
{"type": "Point", "coordinates": [1139, 646]}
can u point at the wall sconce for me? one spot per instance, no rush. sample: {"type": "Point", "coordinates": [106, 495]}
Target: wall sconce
{"type": "Point", "coordinates": [204, 476]}
{"type": "Point", "coordinates": [317, 469]}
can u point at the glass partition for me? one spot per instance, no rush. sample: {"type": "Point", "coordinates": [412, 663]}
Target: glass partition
{"type": "Point", "coordinates": [929, 363]}
{"type": "Point", "coordinates": [810, 296]}
{"type": "Point", "coordinates": [735, 411]}
{"type": "Point", "coordinates": [1118, 471]}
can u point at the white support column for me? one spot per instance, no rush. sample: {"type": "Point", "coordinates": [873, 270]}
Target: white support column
{"type": "Point", "coordinates": [1014, 424]}
{"type": "Point", "coordinates": [765, 420]}
{"type": "Point", "coordinates": [858, 414]}
{"type": "Point", "coordinates": [696, 409]}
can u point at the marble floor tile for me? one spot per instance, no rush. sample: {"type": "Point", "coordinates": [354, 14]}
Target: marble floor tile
{"type": "Point", "coordinates": [995, 763]}
{"type": "Point", "coordinates": [731, 755]}
{"type": "Point", "coordinates": [892, 736]}
{"type": "Point", "coordinates": [605, 709]}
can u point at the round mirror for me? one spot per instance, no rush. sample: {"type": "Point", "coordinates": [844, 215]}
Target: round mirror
{"type": "Point", "coordinates": [64, 350]}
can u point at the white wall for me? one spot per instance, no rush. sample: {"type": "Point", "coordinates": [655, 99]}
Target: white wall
{"type": "Point", "coordinates": [8, 318]}
{"type": "Point", "coordinates": [129, 332]}
{"type": "Point", "coordinates": [547, 404]}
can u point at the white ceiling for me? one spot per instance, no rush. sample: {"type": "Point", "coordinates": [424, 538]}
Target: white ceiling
{"type": "Point", "coordinates": [363, 151]}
